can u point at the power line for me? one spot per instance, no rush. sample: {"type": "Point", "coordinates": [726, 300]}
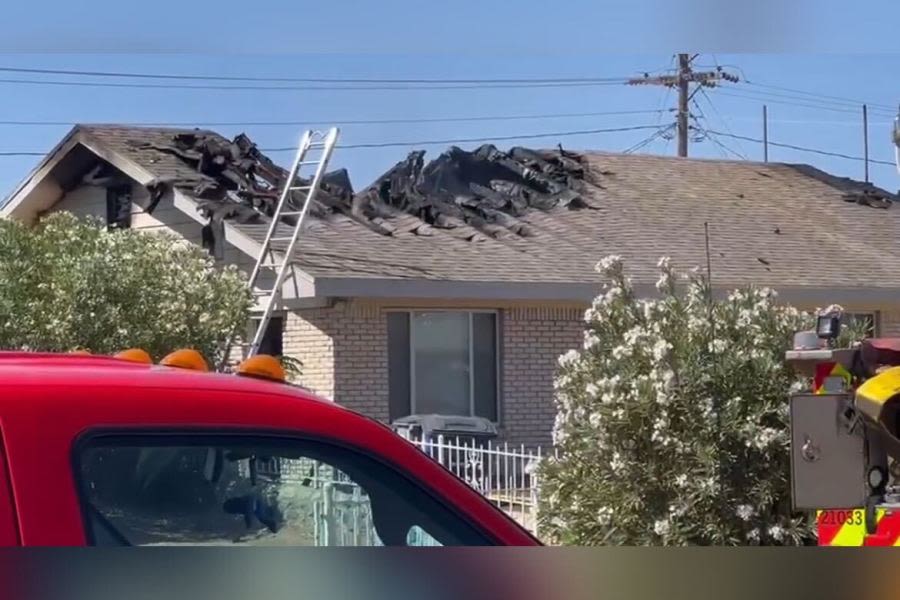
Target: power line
{"type": "Point", "coordinates": [823, 100]}
{"type": "Point", "coordinates": [723, 148]}
{"type": "Point", "coordinates": [355, 121]}
{"type": "Point", "coordinates": [663, 129]}
{"type": "Point", "coordinates": [727, 150]}
{"type": "Point", "coordinates": [722, 118]}
{"type": "Point", "coordinates": [803, 102]}
{"type": "Point", "coordinates": [308, 88]}
{"type": "Point", "coordinates": [785, 102]}
{"type": "Point", "coordinates": [704, 132]}
{"type": "Point", "coordinates": [497, 138]}
{"type": "Point", "coordinates": [425, 81]}
{"type": "Point", "coordinates": [817, 94]}
{"type": "Point", "coordinates": [804, 148]}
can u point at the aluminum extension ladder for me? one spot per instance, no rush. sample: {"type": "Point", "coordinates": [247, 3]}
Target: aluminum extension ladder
{"type": "Point", "coordinates": [313, 152]}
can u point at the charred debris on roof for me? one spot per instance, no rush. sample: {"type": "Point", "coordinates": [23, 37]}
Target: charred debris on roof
{"type": "Point", "coordinates": [477, 194]}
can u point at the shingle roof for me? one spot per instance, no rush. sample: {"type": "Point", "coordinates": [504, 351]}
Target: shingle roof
{"type": "Point", "coordinates": [769, 223]}
{"type": "Point", "coordinates": [131, 143]}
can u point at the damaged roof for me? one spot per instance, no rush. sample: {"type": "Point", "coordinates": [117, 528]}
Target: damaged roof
{"type": "Point", "coordinates": [546, 217]}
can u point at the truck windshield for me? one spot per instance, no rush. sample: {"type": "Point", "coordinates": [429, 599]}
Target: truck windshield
{"type": "Point", "coordinates": [185, 490]}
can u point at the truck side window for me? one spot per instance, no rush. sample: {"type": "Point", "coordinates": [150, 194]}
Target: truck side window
{"type": "Point", "coordinates": [224, 490]}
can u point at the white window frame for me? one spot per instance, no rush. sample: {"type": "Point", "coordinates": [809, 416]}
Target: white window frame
{"type": "Point", "coordinates": [497, 360]}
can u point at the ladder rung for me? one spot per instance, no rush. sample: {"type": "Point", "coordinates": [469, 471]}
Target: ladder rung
{"type": "Point", "coordinates": [262, 292]}
{"type": "Point", "coordinates": [301, 188]}
{"type": "Point", "coordinates": [291, 213]}
{"type": "Point", "coordinates": [281, 239]}
{"type": "Point", "coordinates": [271, 265]}
{"type": "Point", "coordinates": [307, 162]}
{"type": "Point", "coordinates": [316, 145]}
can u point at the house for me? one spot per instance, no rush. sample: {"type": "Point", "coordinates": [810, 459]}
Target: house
{"type": "Point", "coordinates": [414, 309]}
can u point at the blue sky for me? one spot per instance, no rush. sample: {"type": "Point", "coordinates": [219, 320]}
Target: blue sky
{"type": "Point", "coordinates": [400, 39]}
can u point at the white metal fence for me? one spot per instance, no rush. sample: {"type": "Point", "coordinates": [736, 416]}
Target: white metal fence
{"type": "Point", "coordinates": [341, 513]}
{"type": "Point", "coordinates": [506, 475]}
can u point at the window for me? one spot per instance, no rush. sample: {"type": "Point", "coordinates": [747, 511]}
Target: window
{"type": "Point", "coordinates": [273, 339]}
{"type": "Point", "coordinates": [443, 362]}
{"type": "Point", "coordinates": [869, 321]}
{"type": "Point", "coordinates": [224, 490]}
{"type": "Point", "coordinates": [211, 240]}
{"type": "Point", "coordinates": [118, 207]}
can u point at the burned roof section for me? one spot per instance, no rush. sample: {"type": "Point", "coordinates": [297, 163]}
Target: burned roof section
{"type": "Point", "coordinates": [487, 189]}
{"type": "Point", "coordinates": [485, 192]}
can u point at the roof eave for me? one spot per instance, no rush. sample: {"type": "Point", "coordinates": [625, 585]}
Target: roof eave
{"type": "Point", "coordinates": [576, 292]}
{"type": "Point", "coordinates": [13, 202]}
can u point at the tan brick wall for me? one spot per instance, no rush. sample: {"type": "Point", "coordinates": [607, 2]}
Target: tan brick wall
{"type": "Point", "coordinates": [307, 336]}
{"type": "Point", "coordinates": [533, 340]}
{"type": "Point", "coordinates": [344, 354]}
{"type": "Point", "coordinates": [344, 351]}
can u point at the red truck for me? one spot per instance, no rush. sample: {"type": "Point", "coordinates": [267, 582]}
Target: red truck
{"type": "Point", "coordinates": [101, 450]}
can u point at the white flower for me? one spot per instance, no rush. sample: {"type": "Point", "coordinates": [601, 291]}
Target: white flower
{"type": "Point", "coordinates": [611, 294]}
{"type": "Point", "coordinates": [595, 419]}
{"type": "Point", "coordinates": [681, 480]}
{"type": "Point", "coordinates": [620, 352]}
{"type": "Point", "coordinates": [661, 349]}
{"type": "Point", "coordinates": [663, 262]}
{"type": "Point", "coordinates": [633, 335]}
{"type": "Point", "coordinates": [662, 527]}
{"type": "Point", "coordinates": [744, 512]}
{"type": "Point", "coordinates": [590, 340]}
{"type": "Point", "coordinates": [753, 535]}
{"type": "Point", "coordinates": [604, 515]}
{"type": "Point", "coordinates": [592, 390]}
{"type": "Point", "coordinates": [762, 437]}
{"type": "Point", "coordinates": [718, 346]}
{"type": "Point", "coordinates": [798, 386]}
{"type": "Point", "coordinates": [608, 263]}
{"type": "Point", "coordinates": [834, 308]}
{"type": "Point", "coordinates": [568, 358]}
{"type": "Point", "coordinates": [617, 464]}
{"type": "Point", "coordinates": [664, 282]}
{"type": "Point", "coordinates": [777, 532]}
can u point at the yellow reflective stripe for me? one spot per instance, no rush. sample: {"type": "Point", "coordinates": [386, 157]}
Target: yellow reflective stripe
{"type": "Point", "coordinates": [851, 534]}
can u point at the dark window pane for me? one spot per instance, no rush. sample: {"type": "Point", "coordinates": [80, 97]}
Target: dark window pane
{"type": "Point", "coordinates": [118, 207]}
{"type": "Point", "coordinates": [484, 361]}
{"type": "Point", "coordinates": [398, 365]}
{"type": "Point", "coordinates": [223, 490]}
{"type": "Point", "coordinates": [272, 342]}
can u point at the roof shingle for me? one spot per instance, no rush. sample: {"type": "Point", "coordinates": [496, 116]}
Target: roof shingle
{"type": "Point", "coordinates": [769, 223]}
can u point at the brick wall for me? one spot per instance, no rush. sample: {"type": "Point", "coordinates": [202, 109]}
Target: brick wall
{"type": "Point", "coordinates": [344, 353]}
{"type": "Point", "coordinates": [533, 340]}
{"type": "Point", "coordinates": [307, 336]}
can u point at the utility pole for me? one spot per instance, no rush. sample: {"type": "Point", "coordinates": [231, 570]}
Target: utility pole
{"type": "Point", "coordinates": [866, 139]}
{"type": "Point", "coordinates": [684, 72]}
{"type": "Point", "coordinates": [765, 133]}
{"type": "Point", "coordinates": [682, 80]}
